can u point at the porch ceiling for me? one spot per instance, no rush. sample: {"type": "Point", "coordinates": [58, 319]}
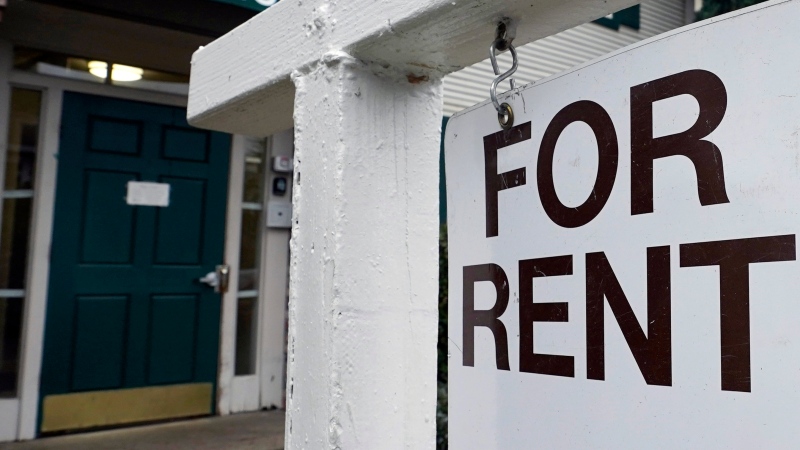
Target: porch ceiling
{"type": "Point", "coordinates": [73, 32]}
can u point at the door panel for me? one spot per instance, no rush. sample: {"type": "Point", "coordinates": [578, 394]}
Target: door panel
{"type": "Point", "coordinates": [179, 228]}
{"type": "Point", "coordinates": [100, 324]}
{"type": "Point", "coordinates": [185, 144]}
{"type": "Point", "coordinates": [172, 339]}
{"type": "Point", "coordinates": [108, 228]}
{"type": "Point", "coordinates": [125, 310]}
{"type": "Point", "coordinates": [115, 135]}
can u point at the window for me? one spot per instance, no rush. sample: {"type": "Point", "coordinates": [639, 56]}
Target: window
{"type": "Point", "coordinates": [250, 259]}
{"type": "Point", "coordinates": [15, 226]}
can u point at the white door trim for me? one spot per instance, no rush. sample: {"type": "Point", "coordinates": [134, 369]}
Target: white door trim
{"type": "Point", "coordinates": [42, 220]}
{"type": "Point", "coordinates": [244, 393]}
{"type": "Point", "coordinates": [233, 230]}
{"type": "Point", "coordinates": [274, 287]}
{"type": "Point", "coordinates": [38, 81]}
{"type": "Point", "coordinates": [9, 410]}
{"type": "Point", "coordinates": [39, 262]}
{"type": "Point", "coordinates": [265, 388]}
{"type": "Point", "coordinates": [241, 393]}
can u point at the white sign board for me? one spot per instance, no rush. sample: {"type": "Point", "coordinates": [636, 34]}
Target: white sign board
{"type": "Point", "coordinates": [622, 262]}
{"type": "Point", "coordinates": [146, 193]}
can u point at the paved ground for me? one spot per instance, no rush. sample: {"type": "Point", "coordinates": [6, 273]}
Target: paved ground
{"type": "Point", "coordinates": [251, 431]}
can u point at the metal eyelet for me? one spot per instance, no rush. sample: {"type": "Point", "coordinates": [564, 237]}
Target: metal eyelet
{"type": "Point", "coordinates": [506, 117]}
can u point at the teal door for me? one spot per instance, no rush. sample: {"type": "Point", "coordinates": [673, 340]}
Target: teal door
{"type": "Point", "coordinates": [130, 334]}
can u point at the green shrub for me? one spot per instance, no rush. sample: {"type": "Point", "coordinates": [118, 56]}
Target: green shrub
{"type": "Point", "coordinates": [713, 8]}
{"type": "Point", "coordinates": [441, 404]}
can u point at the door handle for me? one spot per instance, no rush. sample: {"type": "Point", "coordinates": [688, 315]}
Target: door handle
{"type": "Point", "coordinates": [218, 279]}
{"type": "Point", "coordinates": [223, 276]}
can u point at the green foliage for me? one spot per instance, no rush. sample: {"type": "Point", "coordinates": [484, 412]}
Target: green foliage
{"type": "Point", "coordinates": [441, 417]}
{"type": "Point", "coordinates": [442, 345]}
{"type": "Point", "coordinates": [441, 404]}
{"type": "Point", "coordinates": [713, 8]}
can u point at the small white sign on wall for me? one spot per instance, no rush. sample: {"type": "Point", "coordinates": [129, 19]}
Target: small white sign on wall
{"type": "Point", "coordinates": [146, 193]}
{"type": "Point", "coordinates": [622, 262]}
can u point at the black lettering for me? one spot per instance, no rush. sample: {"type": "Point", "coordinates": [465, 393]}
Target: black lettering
{"type": "Point", "coordinates": [485, 318]}
{"type": "Point", "coordinates": [529, 312]}
{"type": "Point", "coordinates": [598, 119]}
{"type": "Point", "coordinates": [710, 94]}
{"type": "Point", "coordinates": [733, 258]}
{"type": "Point", "coordinates": [497, 182]}
{"type": "Point", "coordinates": [653, 353]}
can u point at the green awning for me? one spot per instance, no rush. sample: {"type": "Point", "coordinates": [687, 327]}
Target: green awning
{"type": "Point", "coordinates": [258, 5]}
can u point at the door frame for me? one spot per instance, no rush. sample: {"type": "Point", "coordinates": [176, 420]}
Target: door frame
{"type": "Point", "coordinates": [233, 221]}
{"type": "Point", "coordinates": [24, 409]}
{"type": "Point", "coordinates": [265, 388]}
{"type": "Point", "coordinates": [274, 279]}
{"type": "Point", "coordinates": [234, 394]}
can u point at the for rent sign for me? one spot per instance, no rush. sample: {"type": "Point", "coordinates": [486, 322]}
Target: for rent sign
{"type": "Point", "coordinates": [623, 260]}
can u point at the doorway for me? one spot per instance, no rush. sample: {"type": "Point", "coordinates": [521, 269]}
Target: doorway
{"type": "Point", "coordinates": [131, 335]}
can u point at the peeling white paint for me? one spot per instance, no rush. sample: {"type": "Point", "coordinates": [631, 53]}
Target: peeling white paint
{"type": "Point", "coordinates": [363, 306]}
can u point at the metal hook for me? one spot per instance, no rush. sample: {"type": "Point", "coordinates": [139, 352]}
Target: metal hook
{"type": "Point", "coordinates": [504, 113]}
{"type": "Point", "coordinates": [503, 36]}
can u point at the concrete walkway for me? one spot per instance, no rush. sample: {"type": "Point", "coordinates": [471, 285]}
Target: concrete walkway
{"type": "Point", "coordinates": [251, 431]}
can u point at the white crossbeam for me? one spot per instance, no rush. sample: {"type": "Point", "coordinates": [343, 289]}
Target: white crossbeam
{"type": "Point", "coordinates": [240, 82]}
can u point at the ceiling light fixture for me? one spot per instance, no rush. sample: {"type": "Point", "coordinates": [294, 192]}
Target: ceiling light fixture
{"type": "Point", "coordinates": [119, 72]}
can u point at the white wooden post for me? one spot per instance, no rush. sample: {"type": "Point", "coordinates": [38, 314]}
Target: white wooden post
{"type": "Point", "coordinates": [363, 79]}
{"type": "Point", "coordinates": [362, 333]}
